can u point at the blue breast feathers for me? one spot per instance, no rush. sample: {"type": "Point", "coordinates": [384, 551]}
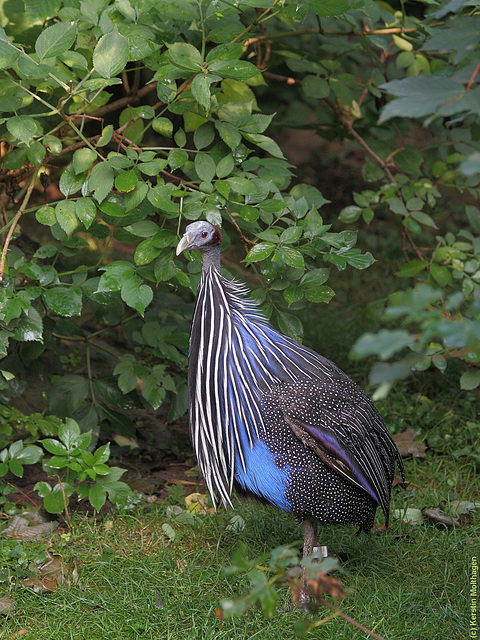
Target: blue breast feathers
{"type": "Point", "coordinates": [262, 476]}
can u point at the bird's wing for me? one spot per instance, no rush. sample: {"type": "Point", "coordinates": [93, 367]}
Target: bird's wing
{"type": "Point", "coordinates": [341, 425]}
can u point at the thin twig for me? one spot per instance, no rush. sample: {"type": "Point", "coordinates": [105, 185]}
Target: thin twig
{"type": "Point", "coordinates": [279, 78]}
{"type": "Point", "coordinates": [473, 76]}
{"type": "Point", "coordinates": [17, 489]}
{"type": "Point", "coordinates": [326, 32]}
{"type": "Point", "coordinates": [87, 341]}
{"type": "Point", "coordinates": [243, 238]}
{"type": "Point", "coordinates": [372, 634]}
{"type": "Point", "coordinates": [65, 502]}
{"type": "Point", "coordinates": [15, 220]}
{"type": "Point", "coordinates": [348, 125]}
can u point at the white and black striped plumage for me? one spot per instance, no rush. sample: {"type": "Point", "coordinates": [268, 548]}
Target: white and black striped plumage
{"type": "Point", "coordinates": [274, 417]}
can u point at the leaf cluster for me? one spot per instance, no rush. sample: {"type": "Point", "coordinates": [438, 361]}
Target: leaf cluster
{"type": "Point", "coordinates": [76, 469]}
{"type": "Point", "coordinates": [136, 118]}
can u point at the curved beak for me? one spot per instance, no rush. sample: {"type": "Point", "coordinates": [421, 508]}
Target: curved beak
{"type": "Point", "coordinates": [184, 243]}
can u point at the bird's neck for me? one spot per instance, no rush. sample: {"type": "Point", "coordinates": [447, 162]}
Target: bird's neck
{"type": "Point", "coordinates": [211, 258]}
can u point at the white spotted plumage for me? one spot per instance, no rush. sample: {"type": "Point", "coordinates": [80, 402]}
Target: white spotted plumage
{"type": "Point", "coordinates": [323, 442]}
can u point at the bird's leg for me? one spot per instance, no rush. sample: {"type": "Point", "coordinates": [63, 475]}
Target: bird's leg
{"type": "Point", "coordinates": [310, 539]}
{"type": "Point", "coordinates": [310, 545]}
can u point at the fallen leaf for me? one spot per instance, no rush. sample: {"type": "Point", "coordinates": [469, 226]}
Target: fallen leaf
{"type": "Point", "coordinates": [408, 446]}
{"type": "Point", "coordinates": [7, 605]}
{"type": "Point", "coordinates": [463, 506]}
{"type": "Point", "coordinates": [21, 528]}
{"type": "Point", "coordinates": [409, 516]}
{"type": "Point", "coordinates": [51, 574]}
{"type": "Point", "coordinates": [438, 516]}
{"type": "Point", "coordinates": [196, 503]}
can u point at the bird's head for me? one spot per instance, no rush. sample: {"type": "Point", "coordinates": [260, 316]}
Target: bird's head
{"type": "Point", "coordinates": [199, 235]}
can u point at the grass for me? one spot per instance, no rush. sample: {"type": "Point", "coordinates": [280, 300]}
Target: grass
{"type": "Point", "coordinates": [411, 582]}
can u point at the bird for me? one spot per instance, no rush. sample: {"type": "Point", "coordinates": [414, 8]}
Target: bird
{"type": "Point", "coordinates": [273, 418]}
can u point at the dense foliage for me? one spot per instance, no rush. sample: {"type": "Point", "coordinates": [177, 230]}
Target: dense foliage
{"type": "Point", "coordinates": [122, 121]}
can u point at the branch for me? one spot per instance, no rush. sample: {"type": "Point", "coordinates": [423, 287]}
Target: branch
{"type": "Point", "coordinates": [14, 223]}
{"type": "Point", "coordinates": [65, 502]}
{"type": "Point", "coordinates": [326, 32]}
{"type": "Point", "coordinates": [473, 76]}
{"type": "Point", "coordinates": [243, 238]}
{"type": "Point", "coordinates": [372, 634]}
{"type": "Point", "coordinates": [348, 125]}
{"type": "Point", "coordinates": [279, 78]}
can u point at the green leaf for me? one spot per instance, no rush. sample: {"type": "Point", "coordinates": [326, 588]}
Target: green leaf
{"type": "Point", "coordinates": [185, 56]}
{"type": "Point", "coordinates": [97, 496]}
{"type": "Point", "coordinates": [40, 10]}
{"type": "Point", "coordinates": [470, 380]}
{"type": "Point", "coordinates": [42, 488]}
{"type": "Point", "coordinates": [66, 301]}
{"type": "Point", "coordinates": [54, 447]}
{"type": "Point", "coordinates": [229, 134]}
{"type": "Point", "coordinates": [291, 235]}
{"type": "Point", "coordinates": [16, 468]}
{"type": "Point", "coordinates": [146, 251]}
{"type": "Point", "coordinates": [153, 393]}
{"type": "Point", "coordinates": [126, 180]}
{"type": "Point", "coordinates": [315, 87]}
{"type": "Point", "coordinates": [422, 96]}
{"type": "Point", "coordinates": [8, 53]}
{"type": "Point", "coordinates": [329, 8]}
{"type": "Point", "coordinates": [46, 215]}
{"type": "Point", "coordinates": [111, 54]}
{"type": "Point", "coordinates": [177, 158]}
{"type": "Point", "coordinates": [205, 166]}
{"type": "Point", "coordinates": [236, 69]}
{"type": "Point", "coordinates": [70, 182]}
{"type": "Point", "coordinates": [290, 325]}
{"type": "Point", "coordinates": [440, 274]}
{"type": "Point", "coordinates": [23, 128]}
{"type": "Point", "coordinates": [106, 136]}
{"type": "Point", "coordinates": [411, 268]}
{"type": "Point", "coordinates": [66, 216]}
{"type": "Point", "coordinates": [100, 180]}
{"type": "Point", "coordinates": [136, 295]}
{"type": "Point", "coordinates": [292, 294]}
{"type": "Point", "coordinates": [36, 153]}
{"type": "Point", "coordinates": [203, 136]}
{"type": "Point", "coordinates": [292, 257]}
{"type": "Point", "coordinates": [30, 454]}
{"type": "Point", "coordinates": [163, 126]}
{"type": "Point", "coordinates": [350, 214]}
{"type": "Point", "coordinates": [116, 273]}
{"type": "Point", "coordinates": [225, 166]}
{"type": "Point", "coordinates": [83, 159]}
{"type": "Point", "coordinates": [86, 211]}
{"type": "Point", "coordinates": [66, 396]}
{"type": "Point", "coordinates": [423, 218]}
{"type": "Point", "coordinates": [29, 327]}
{"type": "Point", "coordinates": [242, 186]}
{"type": "Point", "coordinates": [56, 39]}
{"type": "Point", "coordinates": [265, 143]}
{"type": "Point", "coordinates": [201, 90]}
{"type": "Point", "coordinates": [383, 344]}
{"type": "Point", "coordinates": [54, 501]}
{"type": "Point", "coordinates": [259, 252]}
{"type": "Point", "coordinates": [165, 268]}
{"type": "Point", "coordinates": [359, 260]}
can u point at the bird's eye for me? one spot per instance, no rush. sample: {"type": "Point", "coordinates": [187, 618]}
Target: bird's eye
{"type": "Point", "coordinates": [204, 234]}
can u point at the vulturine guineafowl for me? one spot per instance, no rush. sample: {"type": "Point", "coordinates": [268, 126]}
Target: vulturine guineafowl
{"type": "Point", "coordinates": [275, 418]}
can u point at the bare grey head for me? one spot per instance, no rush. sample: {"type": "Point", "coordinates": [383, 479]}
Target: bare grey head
{"type": "Point", "coordinates": [206, 238]}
